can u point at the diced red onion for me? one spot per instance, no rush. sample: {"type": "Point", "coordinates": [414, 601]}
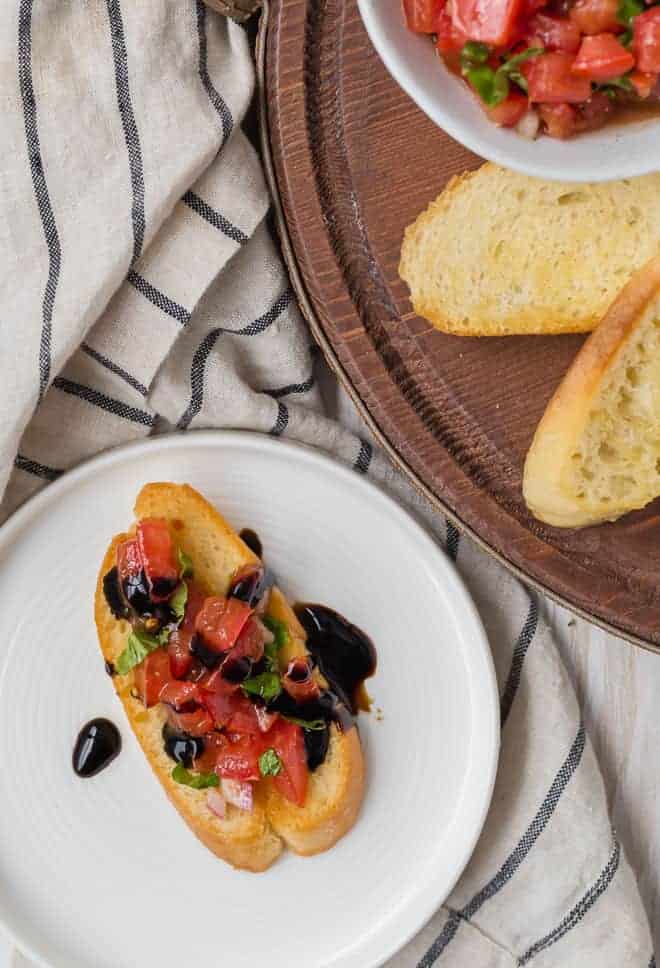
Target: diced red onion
{"type": "Point", "coordinates": [216, 802]}
{"type": "Point", "coordinates": [528, 126]}
{"type": "Point", "coordinates": [265, 719]}
{"type": "Point", "coordinates": [237, 793]}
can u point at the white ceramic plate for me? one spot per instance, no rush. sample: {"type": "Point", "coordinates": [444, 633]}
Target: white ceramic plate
{"type": "Point", "coordinates": [102, 872]}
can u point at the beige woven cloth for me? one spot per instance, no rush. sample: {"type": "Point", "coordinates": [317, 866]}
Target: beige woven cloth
{"type": "Point", "coordinates": [141, 293]}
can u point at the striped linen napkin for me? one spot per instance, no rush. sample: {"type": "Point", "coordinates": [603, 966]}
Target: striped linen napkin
{"type": "Point", "coordinates": [142, 294]}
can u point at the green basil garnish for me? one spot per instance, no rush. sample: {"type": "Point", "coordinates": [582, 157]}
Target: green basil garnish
{"type": "Point", "coordinates": [138, 646]}
{"type": "Point", "coordinates": [179, 600]}
{"type": "Point", "coordinates": [198, 781]}
{"type": "Point", "coordinates": [267, 685]}
{"type": "Point", "coordinates": [185, 565]}
{"type": "Point", "coordinates": [269, 763]}
{"type": "Point", "coordinates": [493, 86]}
{"type": "Point", "coordinates": [305, 723]}
{"type": "Point", "coordinates": [279, 630]}
{"type": "Point", "coordinates": [628, 9]}
{"type": "Point", "coordinates": [473, 54]}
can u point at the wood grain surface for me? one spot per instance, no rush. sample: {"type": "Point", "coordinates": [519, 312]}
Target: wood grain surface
{"type": "Point", "coordinates": [355, 161]}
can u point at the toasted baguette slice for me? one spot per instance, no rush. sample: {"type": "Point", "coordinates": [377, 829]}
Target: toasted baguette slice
{"type": "Point", "coordinates": [596, 452]}
{"type": "Point", "coordinates": [251, 841]}
{"type": "Point", "coordinates": [499, 253]}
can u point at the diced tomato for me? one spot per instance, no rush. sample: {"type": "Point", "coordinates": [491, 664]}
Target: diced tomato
{"type": "Point", "coordinates": [214, 745]}
{"type": "Point", "coordinates": [531, 6]}
{"type": "Point", "coordinates": [152, 675]}
{"type": "Point", "coordinates": [181, 658]}
{"type": "Point", "coordinates": [646, 41]}
{"type": "Point", "coordinates": [249, 644]}
{"type": "Point", "coordinates": [510, 111]}
{"type": "Point", "coordinates": [243, 718]}
{"type": "Point", "coordinates": [220, 622]}
{"type": "Point", "coordinates": [553, 33]}
{"type": "Point", "coordinates": [240, 759]}
{"type": "Point", "coordinates": [420, 14]}
{"type": "Point", "coordinates": [178, 693]}
{"type": "Point", "coordinates": [129, 562]}
{"type": "Point", "coordinates": [489, 21]}
{"type": "Point", "coordinates": [287, 740]}
{"type": "Point", "coordinates": [595, 16]}
{"type": "Point", "coordinates": [643, 83]}
{"type": "Point", "coordinates": [159, 557]}
{"type": "Point", "coordinates": [448, 38]}
{"type": "Point", "coordinates": [561, 120]}
{"type": "Point", "coordinates": [197, 723]}
{"type": "Point", "coordinates": [550, 80]}
{"type": "Point", "coordinates": [601, 58]}
{"type": "Point", "coordinates": [220, 705]}
{"type": "Point", "coordinates": [229, 707]}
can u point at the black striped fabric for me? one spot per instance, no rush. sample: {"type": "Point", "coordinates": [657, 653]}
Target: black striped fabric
{"type": "Point", "coordinates": [40, 186]}
{"type": "Point", "coordinates": [516, 857]}
{"type": "Point", "coordinates": [452, 540]}
{"type": "Point", "coordinates": [215, 98]}
{"type": "Point", "coordinates": [523, 643]}
{"type": "Point", "coordinates": [282, 420]}
{"type": "Point", "coordinates": [129, 125]}
{"type": "Point", "coordinates": [36, 469]}
{"type": "Point", "coordinates": [158, 298]}
{"type": "Point", "coordinates": [363, 459]}
{"type": "Point", "coordinates": [579, 910]}
{"type": "Point", "coordinates": [104, 402]}
{"type": "Point", "coordinates": [114, 368]}
{"type": "Point", "coordinates": [214, 218]}
{"type": "Point", "coordinates": [291, 388]}
{"type": "Point", "coordinates": [263, 322]}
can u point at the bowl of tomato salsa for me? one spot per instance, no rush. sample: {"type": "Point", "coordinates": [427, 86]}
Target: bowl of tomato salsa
{"type": "Point", "coordinates": [563, 89]}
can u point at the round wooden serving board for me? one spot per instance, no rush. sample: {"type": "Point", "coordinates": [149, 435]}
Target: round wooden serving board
{"type": "Point", "coordinates": [353, 162]}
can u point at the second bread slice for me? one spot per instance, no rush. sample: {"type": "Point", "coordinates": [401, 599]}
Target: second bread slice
{"type": "Point", "coordinates": [499, 253]}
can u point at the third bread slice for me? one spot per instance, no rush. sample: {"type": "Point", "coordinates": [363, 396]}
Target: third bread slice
{"type": "Point", "coordinates": [596, 452]}
{"type": "Point", "coordinates": [499, 253]}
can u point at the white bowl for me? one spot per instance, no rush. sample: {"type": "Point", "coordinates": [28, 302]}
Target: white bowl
{"type": "Point", "coordinates": [615, 151]}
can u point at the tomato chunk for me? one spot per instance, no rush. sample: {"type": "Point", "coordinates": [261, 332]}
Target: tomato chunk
{"type": "Point", "coordinates": [561, 120]}
{"type": "Point", "coordinates": [643, 83]}
{"type": "Point", "coordinates": [214, 745]}
{"type": "Point", "coordinates": [489, 21]}
{"type": "Point", "coordinates": [197, 722]}
{"type": "Point", "coordinates": [595, 16]}
{"type": "Point", "coordinates": [287, 740]}
{"type": "Point", "coordinates": [551, 81]}
{"type": "Point", "coordinates": [601, 58]}
{"type": "Point", "coordinates": [159, 557]}
{"type": "Point", "coordinates": [220, 622]}
{"type": "Point", "coordinates": [240, 759]}
{"type": "Point", "coordinates": [510, 111]}
{"type": "Point", "coordinates": [181, 658]}
{"type": "Point", "coordinates": [448, 38]}
{"type": "Point", "coordinates": [553, 33]}
{"type": "Point", "coordinates": [646, 41]}
{"type": "Point", "coordinates": [152, 675]}
{"type": "Point", "coordinates": [420, 14]}
{"type": "Point", "coordinates": [179, 693]}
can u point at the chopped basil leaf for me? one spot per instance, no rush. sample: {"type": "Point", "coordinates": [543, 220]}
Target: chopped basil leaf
{"type": "Point", "coordinates": [267, 685]}
{"type": "Point", "coordinates": [305, 723]}
{"type": "Point", "coordinates": [491, 86]}
{"type": "Point", "coordinates": [138, 646]}
{"type": "Point", "coordinates": [185, 565]}
{"type": "Point", "coordinates": [510, 67]}
{"type": "Point", "coordinates": [198, 781]}
{"type": "Point", "coordinates": [164, 635]}
{"type": "Point", "coordinates": [626, 37]}
{"type": "Point", "coordinates": [179, 599]}
{"type": "Point", "coordinates": [473, 54]}
{"type": "Point", "coordinates": [612, 88]}
{"type": "Point", "coordinates": [269, 763]}
{"type": "Point", "coordinates": [279, 630]}
{"type": "Point", "coordinates": [270, 655]}
{"type": "Point", "coordinates": [628, 9]}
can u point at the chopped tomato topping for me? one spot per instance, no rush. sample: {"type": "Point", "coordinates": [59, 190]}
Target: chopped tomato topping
{"type": "Point", "coordinates": [595, 16]}
{"type": "Point", "coordinates": [553, 33]}
{"type": "Point", "coordinates": [250, 643]}
{"type": "Point", "coordinates": [197, 722]}
{"type": "Point", "coordinates": [601, 58]}
{"type": "Point", "coordinates": [510, 111]}
{"type": "Point", "coordinates": [646, 41]}
{"type": "Point", "coordinates": [488, 21]}
{"type": "Point", "coordinates": [181, 658]}
{"type": "Point", "coordinates": [214, 745]}
{"type": "Point", "coordinates": [420, 14]}
{"type": "Point", "coordinates": [151, 676]}
{"type": "Point", "coordinates": [240, 759]}
{"type": "Point", "coordinates": [561, 120]}
{"type": "Point", "coordinates": [551, 81]}
{"type": "Point", "coordinates": [129, 562]}
{"type": "Point", "coordinates": [178, 693]}
{"type": "Point", "coordinates": [220, 622]}
{"type": "Point", "coordinates": [159, 557]}
{"type": "Point", "coordinates": [643, 83]}
{"type": "Point", "coordinates": [448, 38]}
{"type": "Point", "coordinates": [299, 681]}
{"type": "Point", "coordinates": [286, 739]}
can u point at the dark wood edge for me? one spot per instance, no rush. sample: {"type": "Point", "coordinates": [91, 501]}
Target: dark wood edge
{"type": "Point", "coordinates": [335, 365]}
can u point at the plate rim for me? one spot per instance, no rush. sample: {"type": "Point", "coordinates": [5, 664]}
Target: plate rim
{"type": "Point", "coordinates": [337, 367]}
{"type": "Point", "coordinates": [254, 440]}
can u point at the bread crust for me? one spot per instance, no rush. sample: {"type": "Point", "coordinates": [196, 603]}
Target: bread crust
{"type": "Point", "coordinates": [249, 841]}
{"type": "Point", "coordinates": [546, 487]}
